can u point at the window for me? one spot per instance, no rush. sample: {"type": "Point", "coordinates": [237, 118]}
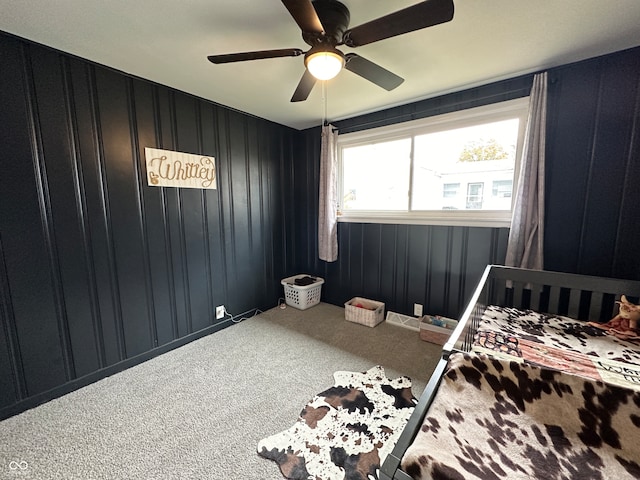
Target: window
{"type": "Point", "coordinates": [435, 170]}
{"type": "Point", "coordinates": [474, 195]}
{"type": "Point", "coordinates": [382, 188]}
{"type": "Point", "coordinates": [450, 190]}
{"type": "Point", "coordinates": [502, 188]}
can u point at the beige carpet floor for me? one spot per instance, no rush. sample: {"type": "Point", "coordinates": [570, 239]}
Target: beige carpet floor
{"type": "Point", "coordinates": [198, 412]}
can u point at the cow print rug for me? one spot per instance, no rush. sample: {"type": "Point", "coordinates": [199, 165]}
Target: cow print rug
{"type": "Point", "coordinates": [346, 431]}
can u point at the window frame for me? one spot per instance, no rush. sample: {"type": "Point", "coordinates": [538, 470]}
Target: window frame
{"type": "Point", "coordinates": [463, 118]}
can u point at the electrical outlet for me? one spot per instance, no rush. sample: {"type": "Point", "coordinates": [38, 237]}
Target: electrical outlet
{"type": "Point", "coordinates": [417, 309]}
{"type": "Point", "coordinates": [219, 312]}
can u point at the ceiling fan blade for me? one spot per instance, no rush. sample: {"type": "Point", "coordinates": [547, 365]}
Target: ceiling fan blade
{"type": "Point", "coordinates": [304, 14]}
{"type": "Point", "coordinates": [304, 88]}
{"type": "Point", "coordinates": [422, 15]}
{"type": "Point", "coordinates": [372, 71]}
{"type": "Point", "coordinates": [243, 56]}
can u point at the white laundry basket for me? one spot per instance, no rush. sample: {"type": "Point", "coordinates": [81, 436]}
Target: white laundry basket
{"type": "Point", "coordinates": [299, 296]}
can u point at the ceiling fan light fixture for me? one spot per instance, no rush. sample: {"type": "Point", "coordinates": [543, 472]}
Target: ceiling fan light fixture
{"type": "Point", "coordinates": [324, 64]}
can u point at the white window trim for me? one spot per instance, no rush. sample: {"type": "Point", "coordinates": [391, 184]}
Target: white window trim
{"type": "Point", "coordinates": [458, 119]}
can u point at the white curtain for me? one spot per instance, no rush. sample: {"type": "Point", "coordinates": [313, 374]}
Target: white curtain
{"type": "Point", "coordinates": [328, 200]}
{"type": "Point", "coordinates": [525, 246]}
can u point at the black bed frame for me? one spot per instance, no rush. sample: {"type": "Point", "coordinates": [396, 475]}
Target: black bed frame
{"type": "Point", "coordinates": [577, 296]}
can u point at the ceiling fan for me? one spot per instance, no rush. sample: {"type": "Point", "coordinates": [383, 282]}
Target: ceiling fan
{"type": "Point", "coordinates": [324, 25]}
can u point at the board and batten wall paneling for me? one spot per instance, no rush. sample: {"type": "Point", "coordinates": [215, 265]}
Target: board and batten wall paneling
{"type": "Point", "coordinates": [593, 166]}
{"type": "Point", "coordinates": [99, 271]}
{"type": "Point", "coordinates": [436, 266]}
{"type": "Point", "coordinates": [35, 334]}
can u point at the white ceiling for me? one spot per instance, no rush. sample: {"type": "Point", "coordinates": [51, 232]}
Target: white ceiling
{"type": "Point", "coordinates": [167, 41]}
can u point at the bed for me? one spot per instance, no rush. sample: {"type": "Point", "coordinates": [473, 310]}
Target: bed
{"type": "Point", "coordinates": [526, 388]}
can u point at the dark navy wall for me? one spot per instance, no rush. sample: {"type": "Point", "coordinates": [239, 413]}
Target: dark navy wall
{"type": "Point", "coordinates": [98, 270]}
{"type": "Point", "coordinates": [593, 151]}
{"type": "Point", "coordinates": [592, 216]}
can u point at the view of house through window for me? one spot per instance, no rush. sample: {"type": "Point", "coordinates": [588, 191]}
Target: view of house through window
{"type": "Point", "coordinates": [460, 162]}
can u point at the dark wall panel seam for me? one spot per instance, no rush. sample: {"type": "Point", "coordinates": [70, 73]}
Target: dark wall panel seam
{"type": "Point", "coordinates": [182, 234]}
{"type": "Point", "coordinates": [205, 216]}
{"type": "Point", "coordinates": [11, 330]}
{"type": "Point", "coordinates": [184, 264]}
{"type": "Point", "coordinates": [592, 155]}
{"type": "Point", "coordinates": [266, 254]}
{"type": "Point", "coordinates": [628, 182]}
{"type": "Point", "coordinates": [207, 250]}
{"type": "Point", "coordinates": [229, 174]}
{"type": "Point", "coordinates": [46, 216]}
{"type": "Point", "coordinates": [221, 217]}
{"type": "Point", "coordinates": [380, 255]}
{"type": "Point", "coordinates": [493, 255]}
{"type": "Point", "coordinates": [407, 265]}
{"type": "Point", "coordinates": [313, 183]}
{"type": "Point", "coordinates": [463, 267]}
{"type": "Point", "coordinates": [288, 225]}
{"type": "Point", "coordinates": [285, 206]}
{"type": "Point", "coordinates": [91, 269]}
{"type": "Point", "coordinates": [171, 276]}
{"type": "Point", "coordinates": [81, 211]}
{"type": "Point", "coordinates": [165, 223]}
{"type": "Point", "coordinates": [247, 175]}
{"type": "Point", "coordinates": [142, 222]}
{"type": "Point", "coordinates": [362, 258]}
{"type": "Point", "coordinates": [448, 262]}
{"type": "Point", "coordinates": [106, 217]}
{"type": "Point", "coordinates": [394, 273]}
{"type": "Point", "coordinates": [427, 279]}
{"type": "Point", "coordinates": [349, 275]}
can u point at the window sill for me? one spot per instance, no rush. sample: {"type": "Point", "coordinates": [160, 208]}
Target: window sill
{"type": "Point", "coordinates": [487, 218]}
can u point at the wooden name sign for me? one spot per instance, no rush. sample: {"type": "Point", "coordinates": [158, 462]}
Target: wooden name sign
{"type": "Point", "coordinates": [166, 168]}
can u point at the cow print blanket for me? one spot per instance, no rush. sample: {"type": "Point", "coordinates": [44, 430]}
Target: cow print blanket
{"type": "Point", "coordinates": [346, 431]}
{"type": "Point", "coordinates": [493, 418]}
{"type": "Point", "coordinates": [559, 342]}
